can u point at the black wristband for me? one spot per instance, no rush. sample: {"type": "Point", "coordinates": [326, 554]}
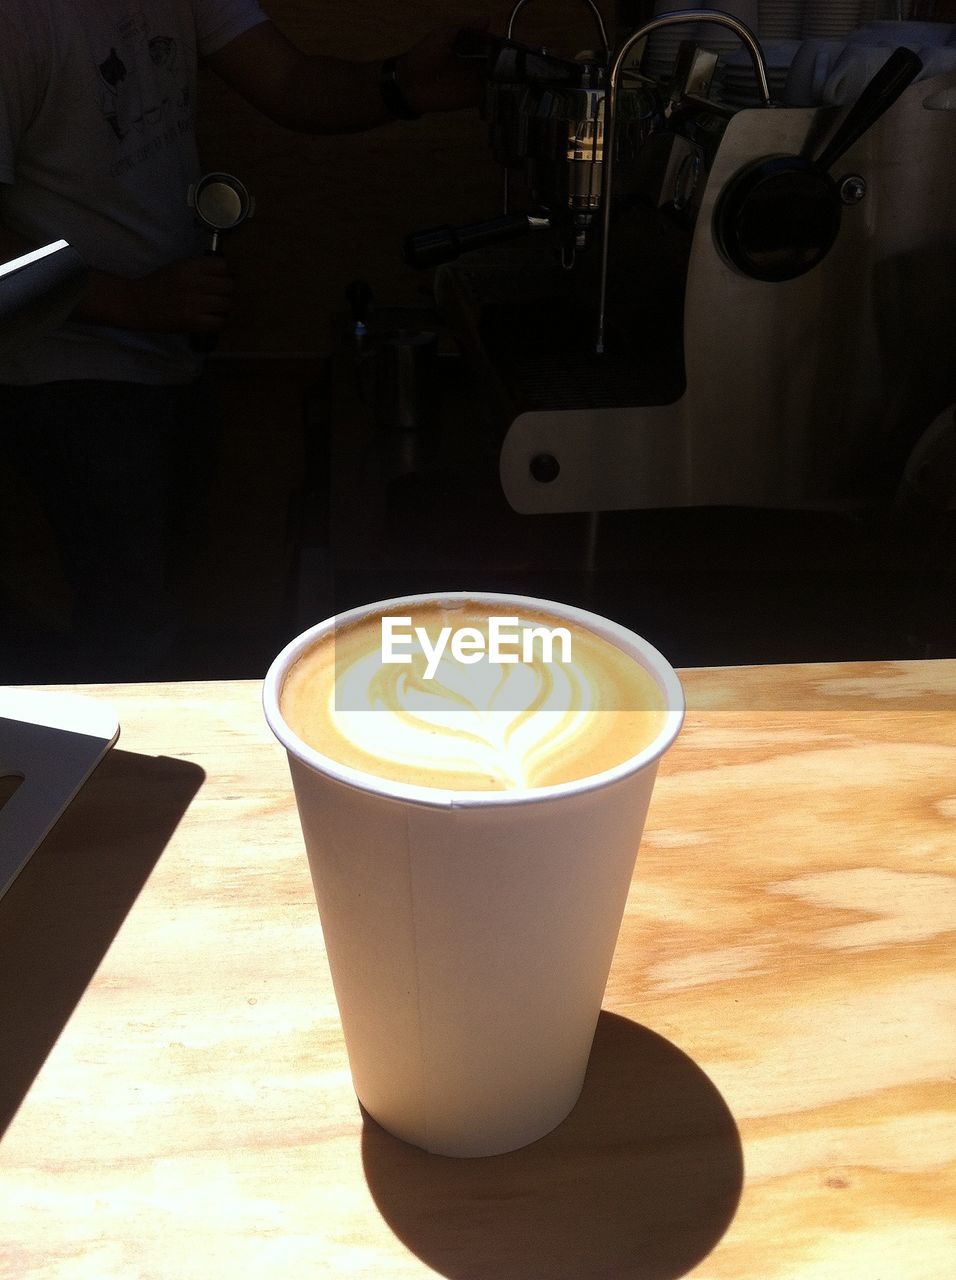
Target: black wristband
{"type": "Point", "coordinates": [395, 101]}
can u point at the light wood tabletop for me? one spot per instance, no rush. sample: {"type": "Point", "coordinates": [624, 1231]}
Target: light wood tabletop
{"type": "Point", "coordinates": [771, 1091]}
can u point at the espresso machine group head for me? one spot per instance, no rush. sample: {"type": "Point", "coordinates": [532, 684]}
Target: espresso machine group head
{"type": "Point", "coordinates": [724, 299]}
{"type": "Point", "coordinates": [545, 116]}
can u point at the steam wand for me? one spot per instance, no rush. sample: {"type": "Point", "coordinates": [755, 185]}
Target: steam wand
{"type": "Point", "coordinates": [602, 30]}
{"type": "Point", "coordinates": [610, 110]}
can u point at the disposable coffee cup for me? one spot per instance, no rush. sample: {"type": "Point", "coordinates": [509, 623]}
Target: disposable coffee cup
{"type": "Point", "coordinates": [470, 932]}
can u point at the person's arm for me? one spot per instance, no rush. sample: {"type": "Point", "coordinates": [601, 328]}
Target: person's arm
{"type": "Point", "coordinates": [315, 94]}
{"type": "Point", "coordinates": [193, 295]}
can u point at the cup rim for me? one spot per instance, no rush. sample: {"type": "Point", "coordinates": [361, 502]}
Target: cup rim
{"type": "Point", "coordinates": [642, 650]}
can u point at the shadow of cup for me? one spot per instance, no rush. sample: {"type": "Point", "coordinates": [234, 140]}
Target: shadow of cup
{"type": "Point", "coordinates": [641, 1180]}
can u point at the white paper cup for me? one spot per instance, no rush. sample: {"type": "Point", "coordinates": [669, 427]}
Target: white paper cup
{"type": "Point", "coordinates": [470, 933]}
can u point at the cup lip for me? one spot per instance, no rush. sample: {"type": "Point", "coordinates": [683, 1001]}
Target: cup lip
{"type": "Point", "coordinates": [649, 657]}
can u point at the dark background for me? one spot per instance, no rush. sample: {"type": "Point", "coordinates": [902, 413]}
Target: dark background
{"type": "Point", "coordinates": [712, 587]}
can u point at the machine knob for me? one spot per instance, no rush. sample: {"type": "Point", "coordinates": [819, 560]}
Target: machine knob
{"type": "Point", "coordinates": [545, 468]}
{"type": "Point", "coordinates": [780, 216]}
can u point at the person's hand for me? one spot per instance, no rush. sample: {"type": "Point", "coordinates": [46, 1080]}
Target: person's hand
{"type": "Point", "coordinates": [193, 295]}
{"type": "Point", "coordinates": [431, 78]}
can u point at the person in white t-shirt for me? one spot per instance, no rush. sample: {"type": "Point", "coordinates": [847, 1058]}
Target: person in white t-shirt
{"type": "Point", "coordinates": [98, 147]}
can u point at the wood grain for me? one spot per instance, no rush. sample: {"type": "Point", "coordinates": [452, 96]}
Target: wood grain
{"type": "Point", "coordinates": [772, 1085]}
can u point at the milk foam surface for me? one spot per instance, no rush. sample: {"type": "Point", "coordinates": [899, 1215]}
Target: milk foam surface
{"type": "Point", "coordinates": [478, 727]}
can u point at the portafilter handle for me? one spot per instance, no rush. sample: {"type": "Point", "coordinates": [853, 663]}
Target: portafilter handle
{"type": "Point", "coordinates": [610, 111]}
{"type": "Point", "coordinates": [220, 203]}
{"type": "Point", "coordinates": [443, 244]}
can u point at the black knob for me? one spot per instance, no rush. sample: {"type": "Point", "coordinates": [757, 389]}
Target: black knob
{"type": "Point", "coordinates": [779, 217]}
{"type": "Point", "coordinates": [545, 468]}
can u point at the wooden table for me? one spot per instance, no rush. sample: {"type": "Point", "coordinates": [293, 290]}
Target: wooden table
{"type": "Point", "coordinates": [771, 1091]}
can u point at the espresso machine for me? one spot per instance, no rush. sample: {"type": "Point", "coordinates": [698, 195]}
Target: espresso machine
{"type": "Point", "coordinates": [687, 302]}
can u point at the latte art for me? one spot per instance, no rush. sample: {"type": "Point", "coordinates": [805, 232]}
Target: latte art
{"type": "Point", "coordinates": [471, 726]}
